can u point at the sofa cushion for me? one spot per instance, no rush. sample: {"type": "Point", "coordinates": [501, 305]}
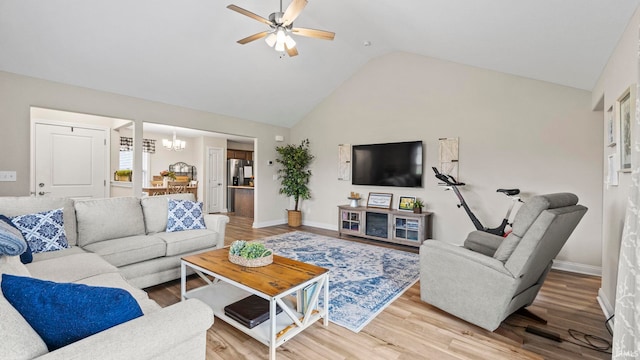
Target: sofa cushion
{"type": "Point", "coordinates": [19, 340]}
{"type": "Point", "coordinates": [116, 280]}
{"type": "Point", "coordinates": [43, 231]}
{"type": "Point", "coordinates": [185, 215]}
{"type": "Point", "coordinates": [106, 219]}
{"type": "Point", "coordinates": [181, 242]}
{"type": "Point", "coordinates": [60, 253]}
{"type": "Point", "coordinates": [129, 250]}
{"type": "Point", "coordinates": [19, 205]}
{"type": "Point", "coordinates": [63, 313]}
{"type": "Point", "coordinates": [70, 268]}
{"type": "Point", "coordinates": [155, 209]}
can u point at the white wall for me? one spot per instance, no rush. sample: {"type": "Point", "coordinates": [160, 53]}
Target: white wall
{"type": "Point", "coordinates": [620, 72]}
{"type": "Point", "coordinates": [18, 93]}
{"type": "Point", "coordinates": [514, 132]}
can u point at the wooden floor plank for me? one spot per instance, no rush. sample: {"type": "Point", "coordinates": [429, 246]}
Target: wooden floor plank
{"type": "Point", "coordinates": [412, 329]}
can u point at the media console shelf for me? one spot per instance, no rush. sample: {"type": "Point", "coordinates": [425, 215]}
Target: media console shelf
{"type": "Point", "coordinates": [400, 227]}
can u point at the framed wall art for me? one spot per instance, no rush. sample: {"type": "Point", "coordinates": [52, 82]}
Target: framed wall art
{"type": "Point", "coordinates": [625, 111]}
{"type": "Point", "coordinates": [611, 128]}
{"type": "Point", "coordinates": [379, 200]}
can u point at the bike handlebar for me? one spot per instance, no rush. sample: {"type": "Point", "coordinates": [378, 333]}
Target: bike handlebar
{"type": "Point", "coordinates": [448, 179]}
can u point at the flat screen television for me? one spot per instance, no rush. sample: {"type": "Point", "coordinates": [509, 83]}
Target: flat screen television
{"type": "Point", "coordinates": [390, 164]}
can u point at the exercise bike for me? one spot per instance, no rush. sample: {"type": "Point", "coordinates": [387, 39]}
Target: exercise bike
{"type": "Point", "coordinates": [453, 184]}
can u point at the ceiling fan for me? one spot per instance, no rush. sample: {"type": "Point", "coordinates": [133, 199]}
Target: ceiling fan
{"type": "Point", "coordinates": [281, 26]}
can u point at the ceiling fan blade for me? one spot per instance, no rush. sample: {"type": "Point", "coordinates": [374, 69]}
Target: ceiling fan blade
{"type": "Point", "coordinates": [292, 52]}
{"type": "Point", "coordinates": [292, 12]}
{"type": "Point", "coordinates": [250, 14]}
{"type": "Point", "coordinates": [253, 37]}
{"type": "Point", "coordinates": [318, 34]}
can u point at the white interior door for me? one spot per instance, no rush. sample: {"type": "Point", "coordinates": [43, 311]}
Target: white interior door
{"type": "Point", "coordinates": [214, 180]}
{"type": "Point", "coordinates": [70, 161]}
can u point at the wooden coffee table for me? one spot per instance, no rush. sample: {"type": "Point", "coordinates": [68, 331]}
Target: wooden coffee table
{"type": "Point", "coordinates": [280, 283]}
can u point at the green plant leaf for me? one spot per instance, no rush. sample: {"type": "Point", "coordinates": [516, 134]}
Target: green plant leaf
{"type": "Point", "coordinates": [294, 174]}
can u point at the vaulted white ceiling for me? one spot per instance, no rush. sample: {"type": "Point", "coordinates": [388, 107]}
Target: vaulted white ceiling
{"type": "Point", "coordinates": [185, 52]}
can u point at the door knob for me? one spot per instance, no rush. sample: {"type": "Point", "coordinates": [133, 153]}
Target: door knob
{"type": "Point", "coordinates": [41, 193]}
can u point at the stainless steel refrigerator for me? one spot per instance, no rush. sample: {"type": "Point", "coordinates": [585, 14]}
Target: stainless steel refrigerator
{"type": "Point", "coordinates": [239, 173]}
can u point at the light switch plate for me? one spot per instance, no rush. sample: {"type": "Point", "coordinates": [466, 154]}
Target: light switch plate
{"type": "Point", "coordinates": [8, 176]}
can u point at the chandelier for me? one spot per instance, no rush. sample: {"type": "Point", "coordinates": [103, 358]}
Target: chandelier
{"type": "Point", "coordinates": [175, 145]}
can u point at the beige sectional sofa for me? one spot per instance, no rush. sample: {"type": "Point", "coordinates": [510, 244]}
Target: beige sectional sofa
{"type": "Point", "coordinates": [122, 243]}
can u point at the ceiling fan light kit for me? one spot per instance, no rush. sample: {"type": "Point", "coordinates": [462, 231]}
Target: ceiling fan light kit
{"type": "Point", "coordinates": [281, 26]}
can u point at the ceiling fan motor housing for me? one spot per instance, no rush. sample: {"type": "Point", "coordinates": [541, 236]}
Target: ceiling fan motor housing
{"type": "Point", "coordinates": [276, 18]}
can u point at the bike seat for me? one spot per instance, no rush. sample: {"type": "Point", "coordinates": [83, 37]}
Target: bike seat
{"type": "Point", "coordinates": [509, 192]}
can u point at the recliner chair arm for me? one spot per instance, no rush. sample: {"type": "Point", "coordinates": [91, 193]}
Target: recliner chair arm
{"type": "Point", "coordinates": [483, 242]}
{"type": "Point", "coordinates": [456, 253]}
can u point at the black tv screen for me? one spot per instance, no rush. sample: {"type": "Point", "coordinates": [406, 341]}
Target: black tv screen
{"type": "Point", "coordinates": [391, 164]}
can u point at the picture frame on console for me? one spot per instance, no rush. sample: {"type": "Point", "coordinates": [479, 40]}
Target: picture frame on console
{"type": "Point", "coordinates": [379, 200]}
{"type": "Point", "coordinates": [406, 203]}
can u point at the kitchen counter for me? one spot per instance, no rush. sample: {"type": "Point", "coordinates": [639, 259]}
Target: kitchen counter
{"type": "Point", "coordinates": [243, 200]}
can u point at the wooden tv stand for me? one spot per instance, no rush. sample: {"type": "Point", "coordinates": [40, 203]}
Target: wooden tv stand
{"type": "Point", "coordinates": [399, 227]}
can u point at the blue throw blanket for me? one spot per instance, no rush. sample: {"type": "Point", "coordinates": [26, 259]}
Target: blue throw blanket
{"type": "Point", "coordinates": [11, 240]}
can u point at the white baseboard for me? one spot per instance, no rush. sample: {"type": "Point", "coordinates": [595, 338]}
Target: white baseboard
{"type": "Point", "coordinates": [577, 268]}
{"type": "Point", "coordinates": [607, 309]}
{"type": "Point", "coordinates": [333, 227]}
{"type": "Point", "coordinates": [262, 224]}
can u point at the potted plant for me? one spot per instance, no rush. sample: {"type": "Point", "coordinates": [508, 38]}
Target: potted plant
{"type": "Point", "coordinates": [417, 206]}
{"type": "Point", "coordinates": [250, 254]}
{"type": "Point", "coordinates": [123, 175]}
{"type": "Point", "coordinates": [294, 175]}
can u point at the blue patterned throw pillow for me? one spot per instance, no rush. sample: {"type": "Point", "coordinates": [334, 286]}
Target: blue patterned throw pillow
{"type": "Point", "coordinates": [43, 231]}
{"type": "Point", "coordinates": [185, 215]}
{"type": "Point", "coordinates": [63, 313]}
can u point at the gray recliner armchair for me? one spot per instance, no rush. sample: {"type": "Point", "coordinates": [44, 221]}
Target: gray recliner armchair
{"type": "Point", "coordinates": [491, 277]}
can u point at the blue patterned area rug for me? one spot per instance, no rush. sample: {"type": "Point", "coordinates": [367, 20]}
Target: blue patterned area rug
{"type": "Point", "coordinates": [363, 279]}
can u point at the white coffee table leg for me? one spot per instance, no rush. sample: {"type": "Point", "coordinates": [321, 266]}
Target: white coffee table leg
{"type": "Point", "coordinates": [326, 300]}
{"type": "Point", "coordinates": [183, 280]}
{"type": "Point", "coordinates": [272, 319]}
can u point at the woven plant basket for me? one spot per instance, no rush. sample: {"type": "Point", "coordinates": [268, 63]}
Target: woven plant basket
{"type": "Point", "coordinates": [261, 261]}
{"type": "Point", "coordinates": [294, 218]}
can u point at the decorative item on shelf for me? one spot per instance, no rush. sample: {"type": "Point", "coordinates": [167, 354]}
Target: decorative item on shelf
{"type": "Point", "coordinates": [417, 206]}
{"type": "Point", "coordinates": [294, 176]}
{"type": "Point", "coordinates": [123, 175]}
{"type": "Point", "coordinates": [354, 197]}
{"type": "Point", "coordinates": [407, 203]}
{"type": "Point", "coordinates": [250, 254]}
{"type": "Point", "coordinates": [380, 200]}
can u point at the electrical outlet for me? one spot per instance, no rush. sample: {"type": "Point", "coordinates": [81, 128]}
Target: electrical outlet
{"type": "Point", "coordinates": [275, 177]}
{"type": "Point", "coordinates": [8, 176]}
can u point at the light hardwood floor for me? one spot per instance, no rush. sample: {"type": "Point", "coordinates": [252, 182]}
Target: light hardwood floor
{"type": "Point", "coordinates": [412, 329]}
